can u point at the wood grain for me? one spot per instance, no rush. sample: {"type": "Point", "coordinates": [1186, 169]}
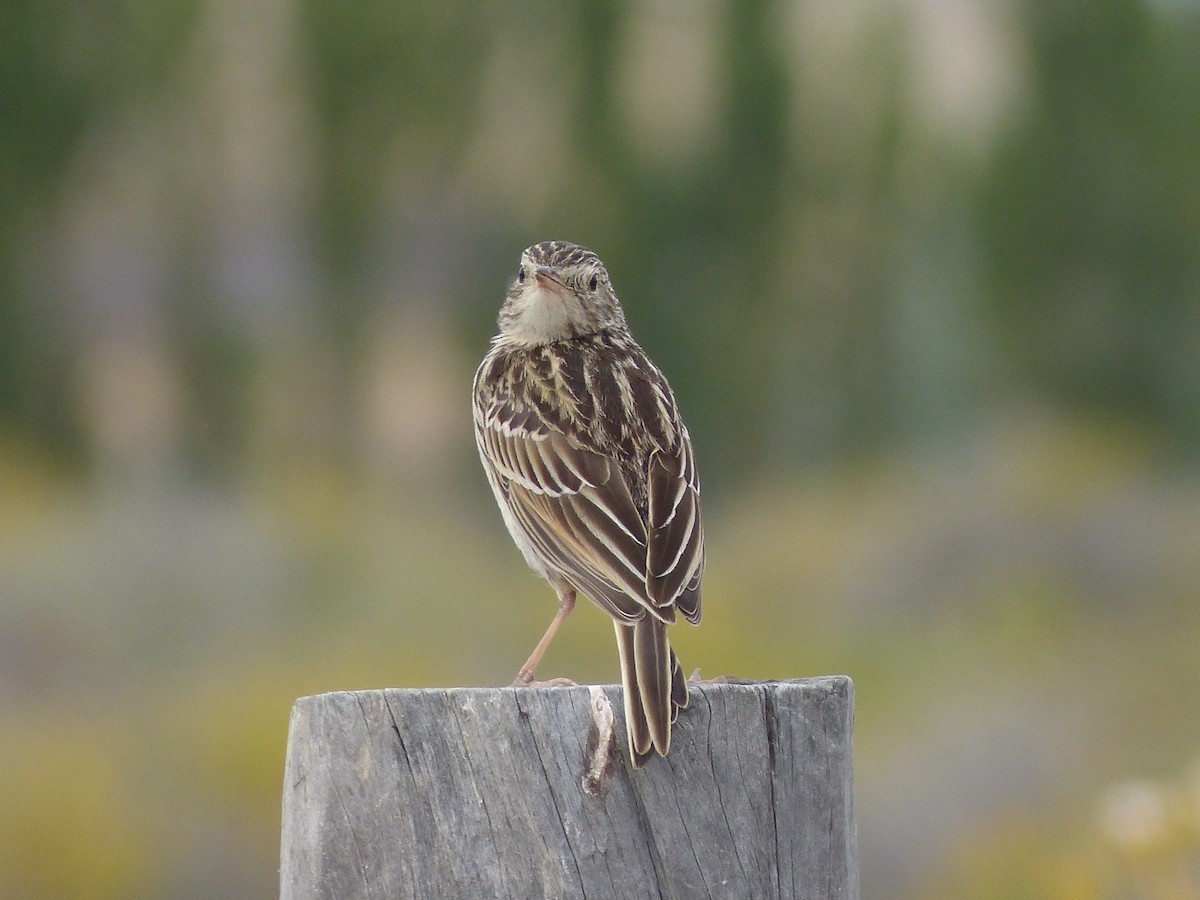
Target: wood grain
{"type": "Point", "coordinates": [527, 793]}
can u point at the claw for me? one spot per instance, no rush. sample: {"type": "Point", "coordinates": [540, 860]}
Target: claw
{"type": "Point", "coordinates": [526, 680]}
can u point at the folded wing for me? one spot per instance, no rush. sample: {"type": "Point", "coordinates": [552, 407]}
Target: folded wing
{"type": "Point", "coordinates": [574, 505]}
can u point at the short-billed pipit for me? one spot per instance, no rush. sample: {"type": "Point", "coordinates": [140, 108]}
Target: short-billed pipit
{"type": "Point", "coordinates": [593, 470]}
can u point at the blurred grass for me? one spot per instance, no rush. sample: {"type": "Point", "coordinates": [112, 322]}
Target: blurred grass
{"type": "Point", "coordinates": [73, 825]}
{"type": "Point", "coordinates": [1018, 611]}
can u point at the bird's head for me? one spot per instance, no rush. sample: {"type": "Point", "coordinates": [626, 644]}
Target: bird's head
{"type": "Point", "coordinates": [561, 291]}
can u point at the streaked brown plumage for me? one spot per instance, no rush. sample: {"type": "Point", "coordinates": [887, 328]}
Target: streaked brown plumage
{"type": "Point", "coordinates": [593, 471]}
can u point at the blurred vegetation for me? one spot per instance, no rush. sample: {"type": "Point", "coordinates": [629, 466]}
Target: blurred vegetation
{"type": "Point", "coordinates": [924, 277]}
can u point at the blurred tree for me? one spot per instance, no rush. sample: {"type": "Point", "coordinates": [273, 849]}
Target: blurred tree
{"type": "Point", "coordinates": [395, 91]}
{"type": "Point", "coordinates": [1090, 213]}
{"type": "Point", "coordinates": [797, 244]}
{"type": "Point", "coordinates": [64, 69]}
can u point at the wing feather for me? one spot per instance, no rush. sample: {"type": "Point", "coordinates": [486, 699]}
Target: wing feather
{"type": "Point", "coordinates": [576, 509]}
{"type": "Point", "coordinates": [675, 547]}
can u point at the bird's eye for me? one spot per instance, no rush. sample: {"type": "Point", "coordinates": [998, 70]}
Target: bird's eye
{"type": "Point", "coordinates": [521, 275]}
{"type": "Point", "coordinates": [594, 283]}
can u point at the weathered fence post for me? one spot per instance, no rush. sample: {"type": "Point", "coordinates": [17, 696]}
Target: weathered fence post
{"type": "Point", "coordinates": [527, 793]}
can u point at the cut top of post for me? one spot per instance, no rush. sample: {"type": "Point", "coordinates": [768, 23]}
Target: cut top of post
{"type": "Point", "coordinates": [527, 792]}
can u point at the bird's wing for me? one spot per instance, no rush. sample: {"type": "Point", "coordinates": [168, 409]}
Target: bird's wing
{"type": "Point", "coordinates": [576, 509]}
{"type": "Point", "coordinates": [675, 549]}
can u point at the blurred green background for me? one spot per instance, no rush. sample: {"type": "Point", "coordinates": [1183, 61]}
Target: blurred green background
{"type": "Point", "coordinates": [925, 277]}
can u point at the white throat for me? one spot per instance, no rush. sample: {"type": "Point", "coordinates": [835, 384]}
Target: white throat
{"type": "Point", "coordinates": [542, 316]}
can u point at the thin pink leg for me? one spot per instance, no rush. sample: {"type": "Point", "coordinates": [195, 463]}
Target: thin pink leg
{"type": "Point", "coordinates": [566, 603]}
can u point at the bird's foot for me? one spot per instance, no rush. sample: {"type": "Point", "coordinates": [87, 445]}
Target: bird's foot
{"type": "Point", "coordinates": [525, 679]}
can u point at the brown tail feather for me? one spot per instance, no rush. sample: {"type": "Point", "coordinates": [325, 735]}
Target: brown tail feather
{"type": "Point", "coordinates": [654, 687]}
{"type": "Point", "coordinates": [679, 688]}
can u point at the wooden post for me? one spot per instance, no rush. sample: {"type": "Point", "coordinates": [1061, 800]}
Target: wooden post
{"type": "Point", "coordinates": [528, 793]}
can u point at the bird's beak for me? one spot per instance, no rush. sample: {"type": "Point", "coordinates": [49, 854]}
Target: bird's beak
{"type": "Point", "coordinates": [546, 278]}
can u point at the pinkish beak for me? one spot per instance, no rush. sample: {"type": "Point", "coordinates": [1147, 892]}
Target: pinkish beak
{"type": "Point", "coordinates": [546, 278]}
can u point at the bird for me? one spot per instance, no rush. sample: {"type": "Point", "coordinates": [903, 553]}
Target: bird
{"type": "Point", "coordinates": [594, 473]}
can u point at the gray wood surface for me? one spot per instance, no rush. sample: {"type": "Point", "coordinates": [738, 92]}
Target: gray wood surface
{"type": "Point", "coordinates": [527, 793]}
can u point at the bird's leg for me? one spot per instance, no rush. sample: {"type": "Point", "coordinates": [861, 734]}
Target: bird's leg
{"type": "Point", "coordinates": [566, 603]}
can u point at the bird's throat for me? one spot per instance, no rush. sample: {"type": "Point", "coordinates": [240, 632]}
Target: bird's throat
{"type": "Point", "coordinates": [542, 315]}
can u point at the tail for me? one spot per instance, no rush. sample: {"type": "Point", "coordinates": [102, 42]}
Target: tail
{"type": "Point", "coordinates": [654, 687]}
